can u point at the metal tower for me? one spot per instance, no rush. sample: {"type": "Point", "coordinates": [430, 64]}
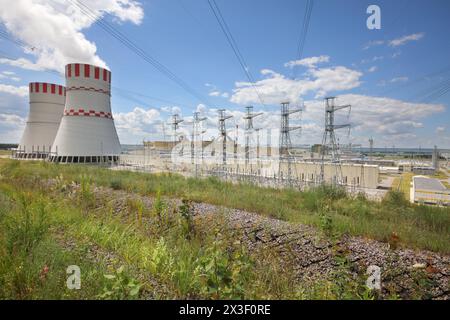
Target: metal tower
{"type": "Point", "coordinates": [435, 159]}
{"type": "Point", "coordinates": [235, 151]}
{"type": "Point", "coordinates": [196, 131]}
{"type": "Point", "coordinates": [371, 148]}
{"type": "Point", "coordinates": [176, 120]}
{"type": "Point", "coordinates": [223, 135]}
{"type": "Point", "coordinates": [249, 130]}
{"type": "Point", "coordinates": [258, 148]}
{"type": "Point", "coordinates": [329, 139]}
{"type": "Point", "coordinates": [285, 138]}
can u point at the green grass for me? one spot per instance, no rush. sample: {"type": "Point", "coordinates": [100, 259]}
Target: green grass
{"type": "Point", "coordinates": [403, 184]}
{"type": "Point", "coordinates": [416, 226]}
{"type": "Point", "coordinates": [33, 265]}
{"type": "Point", "coordinates": [5, 152]}
{"type": "Point", "coordinates": [133, 253]}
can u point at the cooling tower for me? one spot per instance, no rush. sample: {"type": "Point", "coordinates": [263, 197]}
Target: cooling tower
{"type": "Point", "coordinates": [46, 110]}
{"type": "Point", "coordinates": [87, 133]}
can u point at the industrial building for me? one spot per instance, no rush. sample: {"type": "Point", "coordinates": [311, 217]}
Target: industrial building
{"type": "Point", "coordinates": [46, 110]}
{"type": "Point", "coordinates": [87, 133]}
{"type": "Point", "coordinates": [426, 190]}
{"type": "Point", "coordinates": [84, 132]}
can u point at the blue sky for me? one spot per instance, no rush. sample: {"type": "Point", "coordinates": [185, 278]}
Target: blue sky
{"type": "Point", "coordinates": [387, 75]}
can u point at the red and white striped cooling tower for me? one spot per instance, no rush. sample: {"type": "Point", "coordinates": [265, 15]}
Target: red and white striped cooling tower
{"type": "Point", "coordinates": [46, 110]}
{"type": "Point", "coordinates": [87, 133]}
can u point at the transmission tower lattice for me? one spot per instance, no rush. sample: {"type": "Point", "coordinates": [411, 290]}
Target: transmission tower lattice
{"type": "Point", "coordinates": [285, 152]}
{"type": "Point", "coordinates": [196, 131]}
{"type": "Point", "coordinates": [329, 140]}
{"type": "Point", "coordinates": [249, 130]}
{"type": "Point", "coordinates": [176, 120]}
{"type": "Point", "coordinates": [223, 134]}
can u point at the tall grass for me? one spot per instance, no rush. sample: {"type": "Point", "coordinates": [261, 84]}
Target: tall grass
{"type": "Point", "coordinates": [324, 207]}
{"type": "Point", "coordinates": [151, 258]}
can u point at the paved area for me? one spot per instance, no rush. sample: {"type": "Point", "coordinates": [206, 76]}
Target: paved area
{"type": "Point", "coordinates": [428, 184]}
{"type": "Point", "coordinates": [430, 191]}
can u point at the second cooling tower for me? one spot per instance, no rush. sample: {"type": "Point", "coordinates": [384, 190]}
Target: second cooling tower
{"type": "Point", "coordinates": [87, 133]}
{"type": "Point", "coordinates": [46, 111]}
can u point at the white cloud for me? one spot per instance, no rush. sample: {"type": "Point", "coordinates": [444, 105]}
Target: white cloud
{"type": "Point", "coordinates": [395, 42]}
{"type": "Point", "coordinates": [21, 91]}
{"type": "Point", "coordinates": [372, 69]}
{"type": "Point", "coordinates": [388, 119]}
{"type": "Point", "coordinates": [399, 79]}
{"type": "Point", "coordinates": [276, 87]}
{"type": "Point", "coordinates": [403, 40]}
{"type": "Point", "coordinates": [22, 63]}
{"type": "Point", "coordinates": [373, 44]}
{"type": "Point", "coordinates": [11, 127]}
{"type": "Point", "coordinates": [215, 92]}
{"type": "Point", "coordinates": [53, 29]}
{"type": "Point", "coordinates": [440, 130]}
{"type": "Point", "coordinates": [376, 58]}
{"type": "Point", "coordinates": [138, 124]}
{"type": "Point", "coordinates": [310, 62]}
{"type": "Point", "coordinates": [9, 75]}
{"type": "Point", "coordinates": [200, 108]}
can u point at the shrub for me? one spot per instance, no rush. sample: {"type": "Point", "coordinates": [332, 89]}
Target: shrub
{"type": "Point", "coordinates": [223, 274]}
{"type": "Point", "coordinates": [187, 223]}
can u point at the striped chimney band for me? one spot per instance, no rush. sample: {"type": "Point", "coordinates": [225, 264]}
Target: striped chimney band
{"type": "Point", "coordinates": [89, 89]}
{"type": "Point", "coordinates": [88, 113]}
{"type": "Point", "coordinates": [87, 71]}
{"type": "Point", "coordinates": [49, 88]}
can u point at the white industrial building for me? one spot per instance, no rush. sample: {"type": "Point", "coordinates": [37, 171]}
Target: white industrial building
{"type": "Point", "coordinates": [425, 190]}
{"type": "Point", "coordinates": [46, 110]}
{"type": "Point", "coordinates": [87, 133]}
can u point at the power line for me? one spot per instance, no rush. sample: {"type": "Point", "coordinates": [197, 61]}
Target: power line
{"type": "Point", "coordinates": [303, 33]}
{"type": "Point", "coordinates": [4, 55]}
{"type": "Point", "coordinates": [5, 35]}
{"type": "Point", "coordinates": [135, 48]}
{"type": "Point", "coordinates": [124, 93]}
{"type": "Point", "coordinates": [229, 36]}
{"type": "Point", "coordinates": [438, 91]}
{"type": "Point", "coordinates": [417, 80]}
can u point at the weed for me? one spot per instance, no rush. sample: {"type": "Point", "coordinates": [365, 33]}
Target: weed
{"type": "Point", "coordinates": [27, 227]}
{"type": "Point", "coordinates": [187, 223]}
{"type": "Point", "coordinates": [116, 184]}
{"type": "Point", "coordinates": [120, 286]}
{"type": "Point", "coordinates": [86, 196]}
{"type": "Point", "coordinates": [159, 207]}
